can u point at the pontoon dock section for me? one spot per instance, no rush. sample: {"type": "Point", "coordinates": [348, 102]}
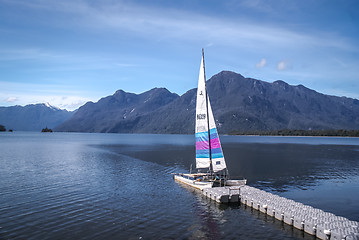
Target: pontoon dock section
{"type": "Point", "coordinates": [323, 225]}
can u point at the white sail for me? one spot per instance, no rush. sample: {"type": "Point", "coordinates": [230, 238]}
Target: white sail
{"type": "Point", "coordinates": [208, 146]}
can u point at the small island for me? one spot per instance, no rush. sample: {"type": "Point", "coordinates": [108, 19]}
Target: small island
{"type": "Point", "coordinates": [2, 128]}
{"type": "Point", "coordinates": [46, 130]}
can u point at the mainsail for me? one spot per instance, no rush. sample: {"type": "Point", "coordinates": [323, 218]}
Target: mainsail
{"type": "Point", "coordinates": [208, 147]}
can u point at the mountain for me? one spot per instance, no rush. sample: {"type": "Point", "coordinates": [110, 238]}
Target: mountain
{"type": "Point", "coordinates": [32, 117]}
{"type": "Point", "coordinates": [119, 112]}
{"type": "Point", "coordinates": [239, 104]}
{"type": "Point", "coordinates": [248, 104]}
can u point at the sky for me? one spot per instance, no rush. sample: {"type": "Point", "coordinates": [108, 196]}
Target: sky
{"type": "Point", "coordinates": [69, 52]}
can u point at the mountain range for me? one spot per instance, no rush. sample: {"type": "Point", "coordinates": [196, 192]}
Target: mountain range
{"type": "Point", "coordinates": [33, 117]}
{"type": "Point", "coordinates": [239, 104]}
{"type": "Point", "coordinates": [119, 112]}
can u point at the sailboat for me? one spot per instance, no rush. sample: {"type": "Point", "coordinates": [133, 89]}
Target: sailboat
{"type": "Point", "coordinates": [210, 162]}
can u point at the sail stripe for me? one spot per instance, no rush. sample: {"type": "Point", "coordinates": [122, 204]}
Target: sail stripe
{"type": "Point", "coordinates": [204, 135]}
{"type": "Point", "coordinates": [206, 155]}
{"type": "Point", "coordinates": [215, 143]}
{"type": "Point", "coordinates": [202, 139]}
{"type": "Point", "coordinates": [212, 131]}
{"type": "Point", "coordinates": [206, 151]}
{"type": "Point", "coordinates": [217, 155]}
{"type": "Point", "coordinates": [204, 144]}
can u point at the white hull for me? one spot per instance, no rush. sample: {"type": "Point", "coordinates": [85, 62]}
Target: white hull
{"type": "Point", "coordinates": [193, 183]}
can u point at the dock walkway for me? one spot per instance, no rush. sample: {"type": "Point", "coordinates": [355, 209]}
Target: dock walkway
{"type": "Point", "coordinates": [323, 225]}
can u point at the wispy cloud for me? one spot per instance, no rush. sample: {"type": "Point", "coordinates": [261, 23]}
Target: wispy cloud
{"type": "Point", "coordinates": [159, 23]}
{"type": "Point", "coordinates": [68, 102]}
{"type": "Point", "coordinates": [63, 102]}
{"type": "Point", "coordinates": [31, 93]}
{"type": "Point", "coordinates": [283, 65]}
{"type": "Point", "coordinates": [60, 61]}
{"type": "Point", "coordinates": [149, 26]}
{"type": "Point", "coordinates": [262, 63]}
{"type": "Point", "coordinates": [11, 99]}
{"type": "Point", "coordinates": [30, 54]}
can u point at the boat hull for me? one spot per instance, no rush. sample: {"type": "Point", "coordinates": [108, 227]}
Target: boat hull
{"type": "Point", "coordinates": [193, 183]}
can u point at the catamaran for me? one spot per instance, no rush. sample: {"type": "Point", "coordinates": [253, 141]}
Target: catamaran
{"type": "Point", "coordinates": [210, 162]}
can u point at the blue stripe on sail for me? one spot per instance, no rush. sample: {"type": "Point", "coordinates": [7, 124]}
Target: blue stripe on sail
{"type": "Point", "coordinates": [214, 136]}
{"type": "Point", "coordinates": [202, 151]}
{"type": "Point", "coordinates": [206, 151]}
{"type": "Point", "coordinates": [203, 136]}
{"type": "Point", "coordinates": [216, 150]}
{"type": "Point", "coordinates": [213, 131]}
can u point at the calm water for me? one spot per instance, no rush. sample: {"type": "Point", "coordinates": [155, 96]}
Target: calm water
{"type": "Point", "coordinates": [119, 186]}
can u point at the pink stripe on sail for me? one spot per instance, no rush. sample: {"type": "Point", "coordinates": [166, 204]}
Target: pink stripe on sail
{"type": "Point", "coordinates": [202, 145]}
{"type": "Point", "coordinates": [215, 143]}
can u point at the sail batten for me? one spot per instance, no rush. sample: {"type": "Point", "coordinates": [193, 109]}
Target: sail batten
{"type": "Point", "coordinates": [209, 152]}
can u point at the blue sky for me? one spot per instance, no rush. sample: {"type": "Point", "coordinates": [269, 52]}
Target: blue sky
{"type": "Point", "coordinates": [71, 51]}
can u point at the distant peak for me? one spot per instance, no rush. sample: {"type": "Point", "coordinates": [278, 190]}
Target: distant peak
{"type": "Point", "coordinates": [47, 104]}
{"type": "Point", "coordinates": [226, 73]}
{"type": "Point", "coordinates": [159, 89]}
{"type": "Point", "coordinates": [280, 82]}
{"type": "Point", "coordinates": [120, 91]}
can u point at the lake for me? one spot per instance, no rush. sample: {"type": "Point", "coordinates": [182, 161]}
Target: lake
{"type": "Point", "coordinates": [119, 186]}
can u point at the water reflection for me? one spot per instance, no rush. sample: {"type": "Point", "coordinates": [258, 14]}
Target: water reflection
{"type": "Point", "coordinates": [321, 175]}
{"type": "Point", "coordinates": [278, 167]}
{"type": "Point", "coordinates": [118, 186]}
{"type": "Point", "coordinates": [209, 216]}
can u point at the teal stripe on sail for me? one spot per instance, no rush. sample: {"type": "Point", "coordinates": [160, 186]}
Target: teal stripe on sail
{"type": "Point", "coordinates": [217, 155]}
{"type": "Point", "coordinates": [203, 136]}
{"type": "Point", "coordinates": [202, 155]}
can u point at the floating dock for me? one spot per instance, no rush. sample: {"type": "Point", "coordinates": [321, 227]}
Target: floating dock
{"type": "Point", "coordinates": [323, 225]}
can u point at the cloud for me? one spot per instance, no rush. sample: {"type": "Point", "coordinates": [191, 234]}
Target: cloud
{"type": "Point", "coordinates": [8, 54]}
{"type": "Point", "coordinates": [158, 23]}
{"type": "Point", "coordinates": [55, 95]}
{"type": "Point", "coordinates": [11, 99]}
{"type": "Point", "coordinates": [262, 63]}
{"type": "Point", "coordinates": [63, 102]}
{"type": "Point", "coordinates": [68, 102]}
{"type": "Point", "coordinates": [283, 65]}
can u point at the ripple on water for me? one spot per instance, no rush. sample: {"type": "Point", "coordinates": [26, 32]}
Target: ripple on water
{"type": "Point", "coordinates": [62, 190]}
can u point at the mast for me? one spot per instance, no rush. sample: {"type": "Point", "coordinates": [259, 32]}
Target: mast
{"type": "Point", "coordinates": [209, 154]}
{"type": "Point", "coordinates": [209, 132]}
